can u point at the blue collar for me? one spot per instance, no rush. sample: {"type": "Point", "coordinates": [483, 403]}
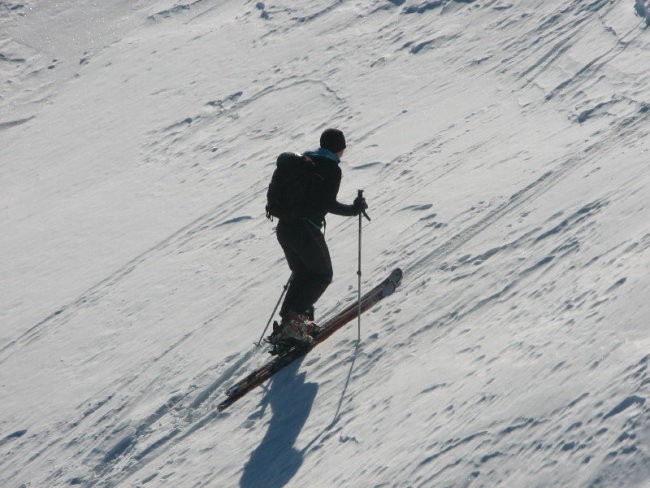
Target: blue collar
{"type": "Point", "coordinates": [323, 153]}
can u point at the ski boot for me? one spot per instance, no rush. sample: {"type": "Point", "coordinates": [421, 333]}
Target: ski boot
{"type": "Point", "coordinates": [296, 330]}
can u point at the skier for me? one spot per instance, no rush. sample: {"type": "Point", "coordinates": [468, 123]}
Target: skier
{"type": "Point", "coordinates": [304, 245]}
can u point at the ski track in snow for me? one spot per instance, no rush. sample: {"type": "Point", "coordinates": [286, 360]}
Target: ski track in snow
{"type": "Point", "coordinates": [514, 353]}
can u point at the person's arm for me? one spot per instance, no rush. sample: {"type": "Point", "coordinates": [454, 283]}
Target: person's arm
{"type": "Point", "coordinates": [333, 205]}
{"type": "Point", "coordinates": [338, 208]}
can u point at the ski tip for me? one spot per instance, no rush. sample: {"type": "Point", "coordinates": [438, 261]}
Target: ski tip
{"type": "Point", "coordinates": [392, 282]}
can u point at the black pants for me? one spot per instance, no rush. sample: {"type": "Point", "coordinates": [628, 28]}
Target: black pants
{"type": "Point", "coordinates": [309, 259]}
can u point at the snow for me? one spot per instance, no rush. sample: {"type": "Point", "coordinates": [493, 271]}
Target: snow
{"type": "Point", "coordinates": [503, 151]}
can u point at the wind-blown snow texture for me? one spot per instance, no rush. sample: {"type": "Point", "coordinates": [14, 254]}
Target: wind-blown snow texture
{"type": "Point", "coordinates": [503, 147]}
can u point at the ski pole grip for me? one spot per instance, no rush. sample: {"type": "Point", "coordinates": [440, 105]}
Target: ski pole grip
{"type": "Point", "coordinates": [360, 195]}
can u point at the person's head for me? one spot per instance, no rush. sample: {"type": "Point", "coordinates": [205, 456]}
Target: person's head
{"type": "Point", "coordinates": [333, 140]}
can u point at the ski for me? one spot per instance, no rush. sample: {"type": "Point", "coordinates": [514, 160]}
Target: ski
{"type": "Point", "coordinates": [260, 375]}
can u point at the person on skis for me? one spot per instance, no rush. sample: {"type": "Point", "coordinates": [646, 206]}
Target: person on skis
{"type": "Point", "coordinates": [303, 241]}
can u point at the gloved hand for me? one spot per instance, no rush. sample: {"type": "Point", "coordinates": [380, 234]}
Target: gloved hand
{"type": "Point", "coordinates": [359, 205]}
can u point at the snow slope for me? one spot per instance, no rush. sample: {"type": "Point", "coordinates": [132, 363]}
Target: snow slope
{"type": "Point", "coordinates": [503, 147]}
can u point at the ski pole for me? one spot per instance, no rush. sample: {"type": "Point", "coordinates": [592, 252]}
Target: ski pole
{"type": "Point", "coordinates": [286, 287]}
{"type": "Point", "coordinates": [362, 214]}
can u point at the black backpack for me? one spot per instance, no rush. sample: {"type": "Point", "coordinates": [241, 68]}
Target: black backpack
{"type": "Point", "coordinates": [289, 196]}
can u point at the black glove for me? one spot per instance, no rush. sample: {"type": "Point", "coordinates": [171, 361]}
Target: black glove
{"type": "Point", "coordinates": [359, 205]}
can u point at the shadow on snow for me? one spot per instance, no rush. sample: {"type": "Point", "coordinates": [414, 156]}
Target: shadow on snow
{"type": "Point", "coordinates": [276, 460]}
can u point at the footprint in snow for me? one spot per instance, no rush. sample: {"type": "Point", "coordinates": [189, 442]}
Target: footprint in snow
{"type": "Point", "coordinates": [418, 207]}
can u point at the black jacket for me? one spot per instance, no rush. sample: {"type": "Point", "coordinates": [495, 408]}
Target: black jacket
{"type": "Point", "coordinates": [325, 193]}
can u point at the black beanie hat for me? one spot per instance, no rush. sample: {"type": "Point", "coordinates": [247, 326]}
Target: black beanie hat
{"type": "Point", "coordinates": [332, 139]}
